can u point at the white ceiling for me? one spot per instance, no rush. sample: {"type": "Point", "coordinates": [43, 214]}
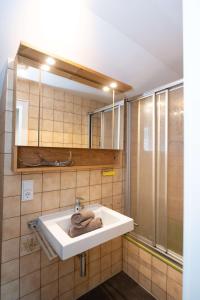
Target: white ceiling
{"type": "Point", "coordinates": [135, 41]}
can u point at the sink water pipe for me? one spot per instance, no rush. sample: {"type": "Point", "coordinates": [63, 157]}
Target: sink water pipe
{"type": "Point", "coordinates": [82, 258]}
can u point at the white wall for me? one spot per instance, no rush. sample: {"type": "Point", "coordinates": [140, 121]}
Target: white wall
{"type": "Point", "coordinates": [191, 284]}
{"type": "Point", "coordinates": [70, 29]}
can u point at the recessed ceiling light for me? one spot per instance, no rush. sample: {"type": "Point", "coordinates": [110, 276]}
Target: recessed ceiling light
{"type": "Point", "coordinates": [45, 67]}
{"type": "Point", "coordinates": [50, 61]}
{"type": "Point", "coordinates": [113, 85]}
{"type": "Point", "coordinates": [106, 89]}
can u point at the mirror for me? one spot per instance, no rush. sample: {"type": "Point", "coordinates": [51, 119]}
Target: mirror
{"type": "Point", "coordinates": [56, 111]}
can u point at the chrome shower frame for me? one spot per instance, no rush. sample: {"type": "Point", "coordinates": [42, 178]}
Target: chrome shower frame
{"type": "Point", "coordinates": [163, 89]}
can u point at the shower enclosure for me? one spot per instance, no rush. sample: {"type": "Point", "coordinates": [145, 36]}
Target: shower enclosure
{"type": "Point", "coordinates": [155, 168]}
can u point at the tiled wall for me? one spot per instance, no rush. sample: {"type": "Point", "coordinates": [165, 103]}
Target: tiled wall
{"type": "Point", "coordinates": [63, 116]}
{"type": "Point", "coordinates": [26, 273]}
{"type": "Point", "coordinates": [159, 279]}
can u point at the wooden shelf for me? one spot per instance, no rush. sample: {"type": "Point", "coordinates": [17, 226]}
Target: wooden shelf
{"type": "Point", "coordinates": [83, 158]}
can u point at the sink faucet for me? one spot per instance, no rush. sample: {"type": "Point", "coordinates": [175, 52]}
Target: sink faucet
{"type": "Point", "coordinates": [78, 205]}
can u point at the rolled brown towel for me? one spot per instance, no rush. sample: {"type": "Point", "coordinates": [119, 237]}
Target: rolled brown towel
{"type": "Point", "coordinates": [81, 216]}
{"type": "Point", "coordinates": [83, 224]}
{"type": "Point", "coordinates": [92, 225]}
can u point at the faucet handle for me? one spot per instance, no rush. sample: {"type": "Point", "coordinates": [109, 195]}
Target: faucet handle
{"type": "Point", "coordinates": [78, 200]}
{"type": "Point", "coordinates": [78, 205]}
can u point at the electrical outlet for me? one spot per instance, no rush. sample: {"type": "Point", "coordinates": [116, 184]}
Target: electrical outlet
{"type": "Point", "coordinates": [27, 190]}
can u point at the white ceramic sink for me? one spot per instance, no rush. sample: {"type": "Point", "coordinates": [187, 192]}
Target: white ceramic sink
{"type": "Point", "coordinates": [55, 228]}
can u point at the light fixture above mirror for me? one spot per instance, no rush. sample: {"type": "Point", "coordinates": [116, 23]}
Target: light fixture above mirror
{"type": "Point", "coordinates": [70, 69]}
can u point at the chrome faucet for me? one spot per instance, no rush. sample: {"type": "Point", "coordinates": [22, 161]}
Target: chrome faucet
{"type": "Point", "coordinates": [78, 205]}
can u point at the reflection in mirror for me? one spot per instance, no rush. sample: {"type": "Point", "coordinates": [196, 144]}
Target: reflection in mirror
{"type": "Point", "coordinates": [102, 134]}
{"type": "Point", "coordinates": [53, 111]}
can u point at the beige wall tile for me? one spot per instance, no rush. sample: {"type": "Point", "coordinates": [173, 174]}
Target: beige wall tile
{"type": "Point", "coordinates": [145, 282]}
{"type": "Point", "coordinates": [50, 200]}
{"type": "Point", "coordinates": [66, 283]}
{"type": "Point", "coordinates": [105, 262]}
{"type": "Point", "coordinates": [116, 243]}
{"type": "Point", "coordinates": [82, 178]}
{"type": "Point", "coordinates": [10, 291]}
{"type": "Point", "coordinates": [94, 267]}
{"type": "Point", "coordinates": [117, 188]}
{"type": "Point", "coordinates": [49, 274]}
{"type": "Point", "coordinates": [159, 265]}
{"type": "Point", "coordinates": [33, 206]}
{"type": "Point", "coordinates": [116, 256]}
{"type": "Point", "coordinates": [78, 279]}
{"type": "Point", "coordinates": [47, 114]}
{"type": "Point", "coordinates": [66, 267]}
{"type": "Point", "coordinates": [95, 192]}
{"type": "Point", "coordinates": [51, 181]}
{"type": "Point", "coordinates": [107, 201]}
{"type": "Point", "coordinates": [146, 257]}
{"type": "Point", "coordinates": [94, 281]}
{"type": "Point", "coordinates": [158, 293]}
{"type": "Point", "coordinates": [10, 249]}
{"type": "Point", "coordinates": [159, 278]}
{"type": "Point", "coordinates": [67, 197]}
{"type": "Point", "coordinates": [116, 268]}
{"type": "Point", "coordinates": [174, 289]}
{"type": "Point", "coordinates": [68, 180]}
{"type": "Point", "coordinates": [118, 175]}
{"type": "Point", "coordinates": [28, 244]}
{"type": "Point", "coordinates": [174, 275]}
{"type": "Point", "coordinates": [106, 179]}
{"type": "Point", "coordinates": [12, 185]}
{"type": "Point", "coordinates": [29, 283]}
{"type": "Point", "coordinates": [29, 263]}
{"type": "Point", "coordinates": [9, 271]}
{"type": "Point", "coordinates": [50, 291]}
{"type": "Point", "coordinates": [106, 189]}
{"type": "Point", "coordinates": [95, 177]}
{"type": "Point", "coordinates": [11, 228]}
{"type": "Point", "coordinates": [11, 207]}
{"type": "Point", "coordinates": [47, 102]}
{"type": "Point", "coordinates": [81, 289]}
{"type": "Point", "coordinates": [32, 296]}
{"type": "Point", "coordinates": [67, 296]}
{"type": "Point", "coordinates": [45, 261]}
{"type": "Point", "coordinates": [105, 248]}
{"type": "Point", "coordinates": [83, 192]}
{"type": "Point", "coordinates": [94, 253]}
{"type": "Point", "coordinates": [106, 274]}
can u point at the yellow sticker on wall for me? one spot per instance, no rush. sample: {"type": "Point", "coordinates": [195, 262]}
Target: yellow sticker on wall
{"type": "Point", "coordinates": [108, 173]}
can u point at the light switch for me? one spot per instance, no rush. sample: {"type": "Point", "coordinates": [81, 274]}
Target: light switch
{"type": "Point", "coordinates": [27, 190]}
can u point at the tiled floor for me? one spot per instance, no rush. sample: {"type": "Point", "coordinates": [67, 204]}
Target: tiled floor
{"type": "Point", "coordinates": [119, 287]}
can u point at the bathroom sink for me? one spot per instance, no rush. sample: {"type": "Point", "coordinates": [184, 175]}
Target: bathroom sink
{"type": "Point", "coordinates": [55, 228]}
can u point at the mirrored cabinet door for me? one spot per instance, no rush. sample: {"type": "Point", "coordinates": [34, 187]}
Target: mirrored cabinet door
{"type": "Point", "coordinates": [55, 111]}
{"type": "Point", "coordinates": [27, 106]}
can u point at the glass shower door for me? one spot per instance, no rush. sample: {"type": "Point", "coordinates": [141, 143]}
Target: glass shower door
{"type": "Point", "coordinates": [156, 169]}
{"type": "Point", "coordinates": [175, 172]}
{"type": "Point", "coordinates": [142, 167]}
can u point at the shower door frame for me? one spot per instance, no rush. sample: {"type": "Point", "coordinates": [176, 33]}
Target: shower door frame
{"type": "Point", "coordinates": [153, 93]}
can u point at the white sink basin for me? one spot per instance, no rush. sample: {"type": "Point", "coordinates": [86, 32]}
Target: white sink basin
{"type": "Point", "coordinates": [55, 228]}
